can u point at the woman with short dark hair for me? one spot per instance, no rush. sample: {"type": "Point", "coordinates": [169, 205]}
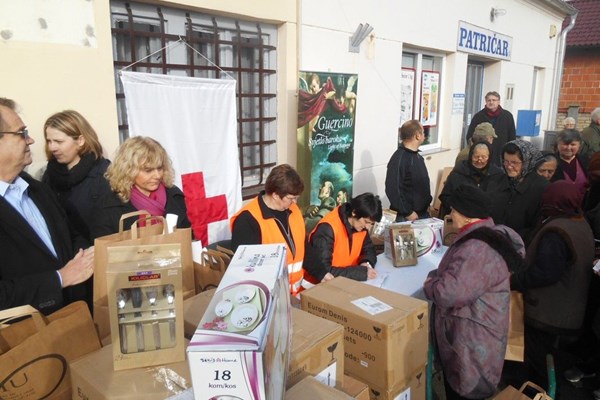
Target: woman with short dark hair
{"type": "Point", "coordinates": [340, 244]}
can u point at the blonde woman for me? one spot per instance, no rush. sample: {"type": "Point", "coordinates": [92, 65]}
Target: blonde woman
{"type": "Point", "coordinates": [76, 167]}
{"type": "Point", "coordinates": [141, 178]}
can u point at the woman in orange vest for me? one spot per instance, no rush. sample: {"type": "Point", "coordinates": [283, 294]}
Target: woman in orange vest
{"type": "Point", "coordinates": [274, 217]}
{"type": "Point", "coordinates": [340, 244]}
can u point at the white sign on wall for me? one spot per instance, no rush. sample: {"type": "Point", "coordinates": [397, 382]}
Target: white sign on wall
{"type": "Point", "coordinates": [476, 40]}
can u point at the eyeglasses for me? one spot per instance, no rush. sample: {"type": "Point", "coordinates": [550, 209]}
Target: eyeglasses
{"type": "Point", "coordinates": [24, 133]}
{"type": "Point", "coordinates": [512, 163]}
{"type": "Point", "coordinates": [480, 158]}
{"type": "Point", "coordinates": [291, 198]}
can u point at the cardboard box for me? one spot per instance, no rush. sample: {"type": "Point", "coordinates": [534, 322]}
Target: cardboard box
{"type": "Point", "coordinates": [93, 377]}
{"type": "Point", "coordinates": [317, 350]}
{"type": "Point", "coordinates": [145, 305]}
{"type": "Point", "coordinates": [241, 347]}
{"type": "Point", "coordinates": [355, 388]}
{"type": "Point", "coordinates": [311, 388]}
{"type": "Point", "coordinates": [386, 333]}
{"type": "Point", "coordinates": [193, 311]}
{"type": "Point", "coordinates": [413, 389]}
{"type": "Point", "coordinates": [450, 231]}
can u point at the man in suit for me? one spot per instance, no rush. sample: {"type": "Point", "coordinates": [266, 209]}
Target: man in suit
{"type": "Point", "coordinates": [38, 265]}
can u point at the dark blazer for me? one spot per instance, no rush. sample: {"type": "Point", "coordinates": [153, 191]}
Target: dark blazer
{"type": "Point", "coordinates": [27, 268]}
{"type": "Point", "coordinates": [110, 208]}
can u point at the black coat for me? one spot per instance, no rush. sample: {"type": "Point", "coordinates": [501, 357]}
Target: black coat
{"type": "Point", "coordinates": [81, 200]}
{"type": "Point", "coordinates": [504, 125]}
{"type": "Point", "coordinates": [27, 267]}
{"type": "Point", "coordinates": [111, 208]}
{"type": "Point", "coordinates": [519, 207]}
{"type": "Point", "coordinates": [463, 174]}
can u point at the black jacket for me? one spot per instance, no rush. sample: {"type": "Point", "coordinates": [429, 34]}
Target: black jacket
{"type": "Point", "coordinates": [407, 182]}
{"type": "Point", "coordinates": [464, 174]}
{"type": "Point", "coordinates": [110, 209]}
{"type": "Point", "coordinates": [28, 269]}
{"type": "Point", "coordinates": [80, 200]}
{"type": "Point", "coordinates": [319, 252]}
{"type": "Point", "coordinates": [504, 125]}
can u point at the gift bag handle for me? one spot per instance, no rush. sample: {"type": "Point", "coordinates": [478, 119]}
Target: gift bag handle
{"type": "Point", "coordinates": [135, 227]}
{"type": "Point", "coordinates": [129, 215]}
{"type": "Point", "coordinates": [542, 393]}
{"type": "Point", "coordinates": [6, 316]}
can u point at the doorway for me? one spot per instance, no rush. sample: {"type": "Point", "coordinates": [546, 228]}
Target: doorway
{"type": "Point", "coordinates": [473, 95]}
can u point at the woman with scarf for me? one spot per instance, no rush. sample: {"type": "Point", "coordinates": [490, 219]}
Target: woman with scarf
{"type": "Point", "coordinates": [502, 121]}
{"type": "Point", "coordinates": [571, 166]}
{"type": "Point", "coordinates": [556, 280]}
{"type": "Point", "coordinates": [141, 178]}
{"type": "Point", "coordinates": [470, 291]}
{"type": "Point", "coordinates": [476, 170]}
{"type": "Point", "coordinates": [76, 168]}
{"type": "Point", "coordinates": [516, 203]}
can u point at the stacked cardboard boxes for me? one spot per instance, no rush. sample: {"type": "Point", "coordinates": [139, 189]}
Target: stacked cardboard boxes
{"type": "Point", "coordinates": [386, 334]}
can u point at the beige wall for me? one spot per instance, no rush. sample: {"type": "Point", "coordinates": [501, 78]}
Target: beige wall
{"type": "Point", "coordinates": [45, 76]}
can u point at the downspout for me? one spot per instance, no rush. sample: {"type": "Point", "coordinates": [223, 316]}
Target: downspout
{"type": "Point", "coordinates": [559, 62]}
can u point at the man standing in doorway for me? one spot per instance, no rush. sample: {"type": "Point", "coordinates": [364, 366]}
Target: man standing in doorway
{"type": "Point", "coordinates": [502, 121]}
{"type": "Point", "coordinates": [407, 180]}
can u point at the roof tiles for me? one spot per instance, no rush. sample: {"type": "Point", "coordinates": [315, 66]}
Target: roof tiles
{"type": "Point", "coordinates": [586, 32]}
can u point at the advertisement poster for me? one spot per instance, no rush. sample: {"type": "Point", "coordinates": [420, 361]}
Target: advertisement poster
{"type": "Point", "coordinates": [430, 86]}
{"type": "Point", "coordinates": [326, 120]}
{"type": "Point", "coordinates": [407, 94]}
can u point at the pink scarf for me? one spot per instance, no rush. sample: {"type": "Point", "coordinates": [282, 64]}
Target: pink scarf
{"type": "Point", "coordinates": [155, 204]}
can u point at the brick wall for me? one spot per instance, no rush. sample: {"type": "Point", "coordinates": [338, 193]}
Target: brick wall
{"type": "Point", "coordinates": [580, 83]}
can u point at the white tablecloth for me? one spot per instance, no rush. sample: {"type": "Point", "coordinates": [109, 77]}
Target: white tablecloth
{"type": "Point", "coordinates": [406, 280]}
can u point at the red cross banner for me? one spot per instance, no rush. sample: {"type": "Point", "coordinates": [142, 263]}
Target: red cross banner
{"type": "Point", "coordinates": [195, 121]}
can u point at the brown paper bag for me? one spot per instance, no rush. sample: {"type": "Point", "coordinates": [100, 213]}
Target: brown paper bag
{"type": "Point", "coordinates": [150, 234]}
{"type": "Point", "coordinates": [515, 349]}
{"type": "Point", "coordinates": [510, 393]}
{"type": "Point", "coordinates": [34, 363]}
{"type": "Point", "coordinates": [208, 275]}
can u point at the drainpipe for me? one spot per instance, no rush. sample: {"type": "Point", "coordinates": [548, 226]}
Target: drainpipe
{"type": "Point", "coordinates": [559, 62]}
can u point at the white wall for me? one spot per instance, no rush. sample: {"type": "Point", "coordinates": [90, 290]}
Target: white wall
{"type": "Point", "coordinates": [432, 25]}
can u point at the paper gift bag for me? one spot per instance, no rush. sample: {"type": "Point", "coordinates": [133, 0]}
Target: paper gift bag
{"type": "Point", "coordinates": [150, 234]}
{"type": "Point", "coordinates": [510, 393]}
{"type": "Point", "coordinates": [34, 363]}
{"type": "Point", "coordinates": [211, 268]}
{"type": "Point", "coordinates": [515, 348]}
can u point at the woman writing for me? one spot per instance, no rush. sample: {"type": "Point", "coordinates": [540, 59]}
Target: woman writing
{"type": "Point", "coordinates": [340, 244]}
{"type": "Point", "coordinates": [141, 178]}
{"type": "Point", "coordinates": [76, 168]}
{"type": "Point", "coordinates": [274, 217]}
{"type": "Point", "coordinates": [470, 292]}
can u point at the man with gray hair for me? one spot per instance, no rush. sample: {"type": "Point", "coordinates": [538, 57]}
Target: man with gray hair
{"type": "Point", "coordinates": [591, 136]}
{"type": "Point", "coordinates": [40, 265]}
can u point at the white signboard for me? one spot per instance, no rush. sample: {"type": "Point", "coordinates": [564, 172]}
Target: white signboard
{"type": "Point", "coordinates": [476, 40]}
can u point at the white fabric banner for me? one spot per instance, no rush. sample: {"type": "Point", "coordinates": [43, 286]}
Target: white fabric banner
{"type": "Point", "coordinates": [195, 121]}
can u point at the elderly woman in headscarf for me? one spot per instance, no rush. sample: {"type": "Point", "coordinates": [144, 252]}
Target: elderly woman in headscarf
{"type": "Point", "coordinates": [556, 279]}
{"type": "Point", "coordinates": [517, 202]}
{"type": "Point", "coordinates": [476, 170]}
{"type": "Point", "coordinates": [470, 292]}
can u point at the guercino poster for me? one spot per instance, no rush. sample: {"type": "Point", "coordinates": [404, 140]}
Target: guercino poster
{"type": "Point", "coordinates": [430, 90]}
{"type": "Point", "coordinates": [326, 120]}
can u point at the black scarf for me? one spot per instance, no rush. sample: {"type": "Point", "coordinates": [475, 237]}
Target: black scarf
{"type": "Point", "coordinates": [63, 178]}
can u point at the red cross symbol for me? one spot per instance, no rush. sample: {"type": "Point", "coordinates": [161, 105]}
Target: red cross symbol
{"type": "Point", "coordinates": [202, 210]}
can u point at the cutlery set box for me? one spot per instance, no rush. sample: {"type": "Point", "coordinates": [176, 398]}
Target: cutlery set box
{"type": "Point", "coordinates": [241, 346]}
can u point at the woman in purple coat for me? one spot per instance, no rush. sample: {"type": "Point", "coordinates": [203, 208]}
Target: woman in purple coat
{"type": "Point", "coordinates": [470, 292]}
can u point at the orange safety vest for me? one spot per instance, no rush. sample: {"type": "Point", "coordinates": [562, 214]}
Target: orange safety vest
{"type": "Point", "coordinates": [343, 255]}
{"type": "Point", "coordinates": [270, 233]}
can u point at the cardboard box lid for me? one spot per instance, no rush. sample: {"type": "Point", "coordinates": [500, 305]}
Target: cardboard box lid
{"type": "Point", "coordinates": [308, 328]}
{"type": "Point", "coordinates": [310, 388]}
{"type": "Point", "coordinates": [94, 374]}
{"type": "Point", "coordinates": [341, 292]}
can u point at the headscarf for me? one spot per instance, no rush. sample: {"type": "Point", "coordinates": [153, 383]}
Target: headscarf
{"type": "Point", "coordinates": [529, 153]}
{"type": "Point", "coordinates": [562, 198]}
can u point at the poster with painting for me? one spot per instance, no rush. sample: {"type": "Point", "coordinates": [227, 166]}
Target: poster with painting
{"type": "Point", "coordinates": [325, 131]}
{"type": "Point", "coordinates": [430, 90]}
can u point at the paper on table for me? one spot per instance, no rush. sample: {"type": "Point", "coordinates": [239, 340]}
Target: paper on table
{"type": "Point", "coordinates": [171, 222]}
{"type": "Point", "coordinates": [379, 281]}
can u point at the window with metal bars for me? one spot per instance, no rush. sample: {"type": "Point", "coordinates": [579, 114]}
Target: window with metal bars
{"type": "Point", "coordinates": [244, 50]}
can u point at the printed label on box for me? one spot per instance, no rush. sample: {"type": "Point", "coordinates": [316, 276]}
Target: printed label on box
{"type": "Point", "coordinates": [327, 376]}
{"type": "Point", "coordinates": [404, 395]}
{"type": "Point", "coordinates": [371, 305]}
